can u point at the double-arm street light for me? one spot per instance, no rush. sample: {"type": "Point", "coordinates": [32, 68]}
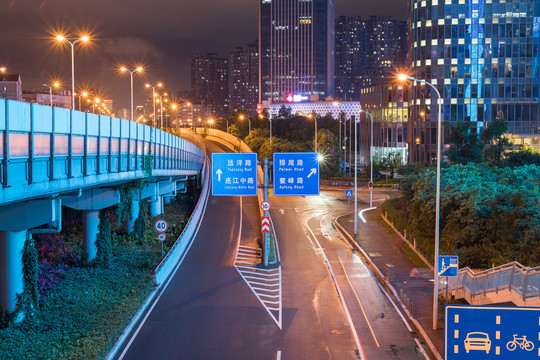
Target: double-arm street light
{"type": "Point", "coordinates": [131, 72]}
{"type": "Point", "coordinates": [55, 85]}
{"type": "Point", "coordinates": [158, 85]}
{"type": "Point", "coordinates": [61, 38]}
{"type": "Point", "coordinates": [404, 77]}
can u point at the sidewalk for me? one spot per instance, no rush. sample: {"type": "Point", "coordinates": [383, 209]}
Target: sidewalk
{"type": "Point", "coordinates": [383, 247]}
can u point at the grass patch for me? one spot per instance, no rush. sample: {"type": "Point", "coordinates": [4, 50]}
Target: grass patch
{"type": "Point", "coordinates": [272, 256]}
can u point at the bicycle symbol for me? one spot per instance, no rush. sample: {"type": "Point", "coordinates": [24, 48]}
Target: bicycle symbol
{"type": "Point", "coordinates": [523, 343]}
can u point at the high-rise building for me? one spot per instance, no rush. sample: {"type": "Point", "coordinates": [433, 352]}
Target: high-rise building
{"type": "Point", "coordinates": [296, 41]}
{"type": "Point", "coordinates": [483, 57]}
{"type": "Point", "coordinates": [244, 78]}
{"type": "Point", "coordinates": [368, 51]}
{"type": "Point", "coordinates": [209, 81]}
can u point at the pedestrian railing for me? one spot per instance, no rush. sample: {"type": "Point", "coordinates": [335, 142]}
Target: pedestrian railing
{"type": "Point", "coordinates": [510, 282]}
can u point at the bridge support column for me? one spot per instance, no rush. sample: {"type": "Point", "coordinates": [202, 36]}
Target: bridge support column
{"type": "Point", "coordinates": [156, 207]}
{"type": "Point", "coordinates": [90, 231]}
{"type": "Point", "coordinates": [134, 214]}
{"type": "Point", "coordinates": [167, 199]}
{"type": "Point", "coordinates": [11, 268]}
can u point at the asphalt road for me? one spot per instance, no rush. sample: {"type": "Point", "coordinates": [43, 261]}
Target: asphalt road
{"type": "Point", "coordinates": [208, 310]}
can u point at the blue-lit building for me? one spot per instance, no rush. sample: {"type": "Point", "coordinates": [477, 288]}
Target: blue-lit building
{"type": "Point", "coordinates": [296, 41]}
{"type": "Point", "coordinates": [483, 57]}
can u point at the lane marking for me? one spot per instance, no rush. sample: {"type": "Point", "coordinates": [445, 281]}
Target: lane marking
{"type": "Point", "coordinates": [349, 318]}
{"type": "Point", "coordinates": [359, 302]}
{"type": "Point", "coordinates": [361, 213]}
{"type": "Point", "coordinates": [278, 355]}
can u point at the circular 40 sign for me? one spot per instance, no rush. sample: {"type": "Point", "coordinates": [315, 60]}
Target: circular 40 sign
{"type": "Point", "coordinates": [265, 206]}
{"type": "Point", "coordinates": [161, 226]}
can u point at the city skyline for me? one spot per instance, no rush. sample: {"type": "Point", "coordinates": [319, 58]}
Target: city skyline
{"type": "Point", "coordinates": [165, 40]}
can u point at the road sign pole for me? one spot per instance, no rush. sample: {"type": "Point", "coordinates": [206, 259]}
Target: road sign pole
{"type": "Point", "coordinates": [265, 191]}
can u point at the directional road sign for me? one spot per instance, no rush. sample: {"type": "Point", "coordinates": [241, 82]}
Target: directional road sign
{"type": "Point", "coordinates": [265, 224]}
{"type": "Point", "coordinates": [448, 265]}
{"type": "Point", "coordinates": [296, 174]}
{"type": "Point", "coordinates": [348, 193]}
{"type": "Point", "coordinates": [161, 226]}
{"type": "Point", "coordinates": [491, 332]}
{"type": "Point", "coordinates": [234, 174]}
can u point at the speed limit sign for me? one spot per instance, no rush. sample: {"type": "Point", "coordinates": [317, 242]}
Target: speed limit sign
{"type": "Point", "coordinates": [265, 206]}
{"type": "Point", "coordinates": [161, 226]}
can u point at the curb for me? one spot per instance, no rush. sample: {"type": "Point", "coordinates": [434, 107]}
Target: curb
{"type": "Point", "coordinates": [382, 279]}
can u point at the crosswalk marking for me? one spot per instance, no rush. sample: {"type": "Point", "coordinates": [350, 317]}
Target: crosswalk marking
{"type": "Point", "coordinates": [265, 283]}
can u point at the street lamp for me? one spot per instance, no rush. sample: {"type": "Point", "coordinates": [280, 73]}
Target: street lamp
{"type": "Point", "coordinates": [154, 95]}
{"type": "Point", "coordinates": [95, 102]}
{"type": "Point", "coordinates": [370, 158]}
{"type": "Point", "coordinates": [161, 100]}
{"type": "Point", "coordinates": [56, 84]}
{"type": "Point", "coordinates": [83, 94]}
{"type": "Point", "coordinates": [131, 72]}
{"type": "Point", "coordinates": [404, 77]}
{"type": "Point", "coordinates": [3, 69]}
{"type": "Point", "coordinates": [61, 38]}
{"type": "Point", "coordinates": [242, 117]}
{"type": "Point", "coordinates": [310, 116]}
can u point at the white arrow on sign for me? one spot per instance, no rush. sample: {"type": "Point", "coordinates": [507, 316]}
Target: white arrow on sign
{"type": "Point", "coordinates": [219, 172]}
{"type": "Point", "coordinates": [312, 172]}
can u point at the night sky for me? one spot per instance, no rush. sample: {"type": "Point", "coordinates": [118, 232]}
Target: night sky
{"type": "Point", "coordinates": [162, 35]}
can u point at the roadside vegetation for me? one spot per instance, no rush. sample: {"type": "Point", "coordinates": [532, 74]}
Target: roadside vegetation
{"type": "Point", "coordinates": [490, 201]}
{"type": "Point", "coordinates": [84, 306]}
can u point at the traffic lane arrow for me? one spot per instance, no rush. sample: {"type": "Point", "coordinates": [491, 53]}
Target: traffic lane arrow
{"type": "Point", "coordinates": [312, 172]}
{"type": "Point", "coordinates": [219, 172]}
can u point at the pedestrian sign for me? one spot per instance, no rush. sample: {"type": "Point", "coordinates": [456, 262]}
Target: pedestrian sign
{"type": "Point", "coordinates": [491, 332]}
{"type": "Point", "coordinates": [234, 174]}
{"type": "Point", "coordinates": [296, 174]}
{"type": "Point", "coordinates": [448, 265]}
{"type": "Point", "coordinates": [348, 193]}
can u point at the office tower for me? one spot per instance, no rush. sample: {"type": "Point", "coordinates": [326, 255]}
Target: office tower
{"type": "Point", "coordinates": [296, 40]}
{"type": "Point", "coordinates": [209, 81]}
{"type": "Point", "coordinates": [483, 57]}
{"type": "Point", "coordinates": [368, 52]}
{"type": "Point", "coordinates": [244, 78]}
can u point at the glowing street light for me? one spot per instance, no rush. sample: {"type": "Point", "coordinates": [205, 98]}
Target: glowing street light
{"type": "Point", "coordinates": [3, 69]}
{"type": "Point", "coordinates": [131, 72]}
{"type": "Point", "coordinates": [54, 85]}
{"type": "Point", "coordinates": [61, 38]}
{"type": "Point", "coordinates": [404, 77]}
{"type": "Point", "coordinates": [154, 95]}
{"type": "Point", "coordinates": [242, 117]}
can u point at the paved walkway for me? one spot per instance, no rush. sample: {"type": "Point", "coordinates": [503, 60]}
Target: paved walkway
{"type": "Point", "coordinates": [383, 246]}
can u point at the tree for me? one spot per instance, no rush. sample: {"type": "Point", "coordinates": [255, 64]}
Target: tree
{"type": "Point", "coordinates": [494, 135]}
{"type": "Point", "coordinates": [391, 162]}
{"type": "Point", "coordinates": [526, 156]}
{"type": "Point", "coordinates": [256, 138]}
{"type": "Point", "coordinates": [465, 145]}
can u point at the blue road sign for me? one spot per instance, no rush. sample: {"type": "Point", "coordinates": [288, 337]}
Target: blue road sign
{"type": "Point", "coordinates": [348, 193]}
{"type": "Point", "coordinates": [296, 174]}
{"type": "Point", "coordinates": [448, 265]}
{"type": "Point", "coordinates": [234, 174]}
{"type": "Point", "coordinates": [491, 332]}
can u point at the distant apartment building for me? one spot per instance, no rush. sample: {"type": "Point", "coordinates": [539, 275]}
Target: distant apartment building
{"type": "Point", "coordinates": [368, 51]}
{"type": "Point", "coordinates": [244, 78]}
{"type": "Point", "coordinates": [296, 48]}
{"type": "Point", "coordinates": [10, 86]}
{"type": "Point", "coordinates": [209, 82]}
{"type": "Point", "coordinates": [59, 98]}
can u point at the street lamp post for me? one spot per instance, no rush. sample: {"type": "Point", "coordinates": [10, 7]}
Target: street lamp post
{"type": "Point", "coordinates": [96, 101]}
{"type": "Point", "coordinates": [56, 84]}
{"type": "Point", "coordinates": [83, 94]}
{"type": "Point", "coordinates": [438, 198]}
{"type": "Point", "coordinates": [131, 72]}
{"type": "Point", "coordinates": [154, 95]}
{"type": "Point", "coordinates": [72, 43]}
{"type": "Point", "coordinates": [370, 158]}
{"type": "Point", "coordinates": [242, 117]}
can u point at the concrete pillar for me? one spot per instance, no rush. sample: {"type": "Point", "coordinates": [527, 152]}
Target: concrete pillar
{"type": "Point", "coordinates": [11, 267]}
{"type": "Point", "coordinates": [156, 207]}
{"type": "Point", "coordinates": [167, 199]}
{"type": "Point", "coordinates": [90, 231]}
{"type": "Point", "coordinates": [134, 214]}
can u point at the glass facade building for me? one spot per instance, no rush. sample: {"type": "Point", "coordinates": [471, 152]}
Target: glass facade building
{"type": "Point", "coordinates": [296, 39]}
{"type": "Point", "coordinates": [483, 57]}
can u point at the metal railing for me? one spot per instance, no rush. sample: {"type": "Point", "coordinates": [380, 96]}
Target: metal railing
{"type": "Point", "coordinates": [44, 147]}
{"type": "Point", "coordinates": [522, 282]}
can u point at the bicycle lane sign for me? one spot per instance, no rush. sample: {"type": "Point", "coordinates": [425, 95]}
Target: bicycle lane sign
{"type": "Point", "coordinates": [491, 332]}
